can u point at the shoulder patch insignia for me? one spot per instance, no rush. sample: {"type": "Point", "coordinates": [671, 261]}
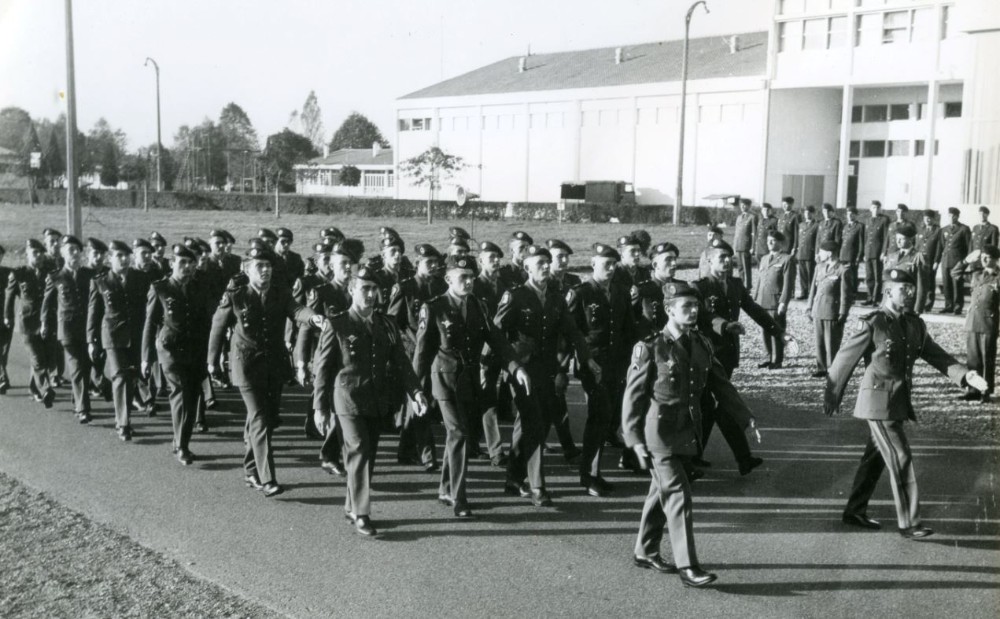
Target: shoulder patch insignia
{"type": "Point", "coordinates": [311, 295]}
{"type": "Point", "coordinates": [639, 352]}
{"type": "Point", "coordinates": [422, 319]}
{"type": "Point", "coordinates": [505, 298]}
{"type": "Point", "coordinates": [570, 296]}
{"type": "Point", "coordinates": [634, 293]}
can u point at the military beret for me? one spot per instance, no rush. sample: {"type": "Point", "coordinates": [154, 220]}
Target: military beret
{"type": "Point", "coordinates": [367, 274]}
{"type": "Point", "coordinates": [902, 207]}
{"type": "Point", "coordinates": [332, 233]}
{"type": "Point", "coordinates": [521, 235]}
{"type": "Point", "coordinates": [34, 244]}
{"type": "Point", "coordinates": [426, 250]}
{"type": "Point", "coordinates": [182, 251]}
{"type": "Point", "coordinates": [899, 276]}
{"type": "Point", "coordinates": [676, 290]}
{"type": "Point", "coordinates": [157, 239]}
{"type": "Point", "coordinates": [195, 245]}
{"type": "Point", "coordinates": [493, 248]}
{"type": "Point", "coordinates": [142, 243]}
{"type": "Point", "coordinates": [456, 232]}
{"type": "Point", "coordinates": [560, 245]}
{"type": "Point", "coordinates": [746, 201]}
{"type": "Point", "coordinates": [992, 251]}
{"type": "Point", "coordinates": [907, 229]}
{"type": "Point", "coordinates": [460, 262]}
{"type": "Point", "coordinates": [538, 251]}
{"type": "Point", "coordinates": [776, 234]}
{"type": "Point", "coordinates": [602, 250]}
{"type": "Point", "coordinates": [261, 253]}
{"type": "Point", "coordinates": [69, 239]}
{"type": "Point", "coordinates": [827, 206]}
{"type": "Point", "coordinates": [384, 231]}
{"type": "Point", "coordinates": [268, 234]}
{"type": "Point", "coordinates": [715, 229]}
{"type": "Point", "coordinates": [285, 233]}
{"type": "Point", "coordinates": [983, 209]}
{"type": "Point", "coordinates": [954, 211]}
{"type": "Point", "coordinates": [766, 205]}
{"type": "Point", "coordinates": [352, 248]}
{"type": "Point", "coordinates": [323, 248]}
{"type": "Point", "coordinates": [643, 237]}
{"type": "Point", "coordinates": [457, 241]}
{"type": "Point", "coordinates": [663, 248]}
{"type": "Point", "coordinates": [810, 209]}
{"type": "Point", "coordinates": [788, 199]}
{"type": "Point", "coordinates": [257, 242]}
{"type": "Point", "coordinates": [96, 245]}
{"type": "Point", "coordinates": [219, 232]}
{"type": "Point", "coordinates": [833, 246]}
{"type": "Point", "coordinates": [852, 209]}
{"type": "Point", "coordinates": [230, 239]}
{"type": "Point", "coordinates": [876, 203]}
{"type": "Point", "coordinates": [121, 247]}
{"type": "Point", "coordinates": [624, 241]}
{"type": "Point", "coordinates": [392, 241]}
{"type": "Point", "coordinates": [930, 213]}
{"type": "Point", "coordinates": [720, 245]}
{"type": "Point", "coordinates": [51, 232]}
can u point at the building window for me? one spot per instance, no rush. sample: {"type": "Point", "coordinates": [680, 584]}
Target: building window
{"type": "Point", "coordinates": [876, 113]}
{"type": "Point", "coordinates": [945, 15]}
{"type": "Point", "coordinates": [953, 109]}
{"type": "Point", "coordinates": [404, 124]}
{"type": "Point", "coordinates": [895, 26]}
{"type": "Point", "coordinates": [854, 149]}
{"type": "Point", "coordinates": [920, 145]}
{"type": "Point", "coordinates": [899, 112]}
{"type": "Point", "coordinates": [899, 148]}
{"type": "Point", "coordinates": [414, 124]}
{"type": "Point", "coordinates": [873, 148]}
{"type": "Point", "coordinates": [922, 25]}
{"type": "Point", "coordinates": [868, 29]}
{"type": "Point", "coordinates": [837, 33]}
{"type": "Point", "coordinates": [856, 113]}
{"type": "Point", "coordinates": [789, 36]}
{"type": "Point", "coordinates": [814, 33]}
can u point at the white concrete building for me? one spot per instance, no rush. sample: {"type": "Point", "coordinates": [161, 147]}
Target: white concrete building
{"type": "Point", "coordinates": [838, 102]}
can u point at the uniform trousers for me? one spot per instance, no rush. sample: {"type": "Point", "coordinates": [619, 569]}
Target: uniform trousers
{"type": "Point", "coordinates": [806, 269]}
{"type": "Point", "coordinates": [489, 429]}
{"type": "Point", "coordinates": [361, 436]}
{"type": "Point", "coordinates": [535, 415]}
{"type": "Point", "coordinates": [852, 266]}
{"type": "Point", "coordinates": [56, 357]}
{"type": "Point", "coordinates": [5, 337]}
{"type": "Point", "coordinates": [951, 287]}
{"type": "Point", "coordinates": [563, 431]}
{"type": "Point", "coordinates": [98, 380]}
{"type": "Point", "coordinates": [37, 349]}
{"type": "Point", "coordinates": [604, 402]}
{"type": "Point", "coordinates": [775, 344]}
{"type": "Point", "coordinates": [333, 444]}
{"type": "Point", "coordinates": [873, 279]}
{"type": "Point", "coordinates": [926, 289]}
{"type": "Point", "coordinates": [78, 366]}
{"type": "Point", "coordinates": [123, 366]}
{"type": "Point", "coordinates": [981, 349]}
{"type": "Point", "coordinates": [184, 388]}
{"type": "Point", "coordinates": [668, 504]}
{"type": "Point", "coordinates": [459, 415]}
{"type": "Point", "coordinates": [262, 401]}
{"type": "Point", "coordinates": [416, 436]}
{"type": "Point", "coordinates": [887, 448]}
{"type": "Point", "coordinates": [207, 394]}
{"type": "Point", "coordinates": [711, 415]}
{"type": "Point", "coordinates": [745, 263]}
{"type": "Point", "coordinates": [829, 335]}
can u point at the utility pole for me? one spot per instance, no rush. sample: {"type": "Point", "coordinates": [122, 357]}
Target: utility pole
{"type": "Point", "coordinates": [159, 141]}
{"type": "Point", "coordinates": [74, 218]}
{"type": "Point", "coordinates": [679, 201]}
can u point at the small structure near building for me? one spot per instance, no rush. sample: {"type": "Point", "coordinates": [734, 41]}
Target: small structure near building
{"type": "Point", "coordinates": [322, 175]}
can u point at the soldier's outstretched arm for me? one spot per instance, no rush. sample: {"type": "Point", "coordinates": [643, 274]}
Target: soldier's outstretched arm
{"type": "Point", "coordinates": [13, 290]}
{"type": "Point", "coordinates": [758, 314]}
{"type": "Point", "coordinates": [325, 370]}
{"type": "Point", "coordinates": [940, 360]}
{"type": "Point", "coordinates": [224, 317]}
{"type": "Point", "coordinates": [853, 348]}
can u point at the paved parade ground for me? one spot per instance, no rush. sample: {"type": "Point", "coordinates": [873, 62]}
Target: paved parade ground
{"type": "Point", "coordinates": [774, 537]}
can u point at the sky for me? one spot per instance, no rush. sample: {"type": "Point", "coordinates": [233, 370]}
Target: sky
{"type": "Point", "coordinates": [358, 55]}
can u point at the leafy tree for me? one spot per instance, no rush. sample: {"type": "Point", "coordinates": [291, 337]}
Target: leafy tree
{"type": "Point", "coordinates": [357, 132]}
{"type": "Point", "coordinates": [53, 159]}
{"type": "Point", "coordinates": [429, 169]}
{"type": "Point", "coordinates": [147, 155]}
{"type": "Point", "coordinates": [101, 139]}
{"type": "Point", "coordinates": [237, 129]}
{"type": "Point", "coordinates": [14, 123]}
{"type": "Point", "coordinates": [283, 151]}
{"type": "Point", "coordinates": [50, 131]}
{"type": "Point", "coordinates": [311, 119]}
{"type": "Point", "coordinates": [135, 167]}
{"type": "Point", "coordinates": [203, 155]}
{"type": "Point", "coordinates": [109, 165]}
{"type": "Point", "coordinates": [350, 176]}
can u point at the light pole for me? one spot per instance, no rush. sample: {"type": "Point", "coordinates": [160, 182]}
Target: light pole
{"type": "Point", "coordinates": [679, 201]}
{"type": "Point", "coordinates": [74, 218]}
{"type": "Point", "coordinates": [159, 165]}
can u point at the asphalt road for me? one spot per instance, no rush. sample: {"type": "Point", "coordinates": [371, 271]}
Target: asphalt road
{"type": "Point", "coordinates": [774, 537]}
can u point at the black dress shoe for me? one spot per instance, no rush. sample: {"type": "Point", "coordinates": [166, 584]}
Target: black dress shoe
{"type": "Point", "coordinates": [514, 488]}
{"type": "Point", "coordinates": [696, 577]}
{"type": "Point", "coordinates": [655, 562]}
{"type": "Point", "coordinates": [463, 510]}
{"type": "Point", "coordinates": [431, 467]}
{"type": "Point", "coordinates": [701, 463]}
{"type": "Point", "coordinates": [694, 474]}
{"type": "Point", "coordinates": [958, 312]}
{"type": "Point", "coordinates": [596, 486]}
{"type": "Point", "coordinates": [764, 365]}
{"type": "Point", "coordinates": [48, 398]}
{"type": "Point", "coordinates": [628, 462]}
{"type": "Point", "coordinates": [363, 525]}
{"type": "Point", "coordinates": [84, 417]}
{"type": "Point", "coordinates": [860, 520]}
{"type": "Point", "coordinates": [499, 460]}
{"type": "Point", "coordinates": [750, 464]}
{"type": "Point", "coordinates": [916, 532]}
{"type": "Point", "coordinates": [774, 366]}
{"type": "Point", "coordinates": [540, 498]}
{"type": "Point", "coordinates": [202, 427]}
{"type": "Point", "coordinates": [211, 404]}
{"type": "Point", "coordinates": [271, 489]}
{"type": "Point", "coordinates": [350, 517]}
{"type": "Point", "coordinates": [333, 468]}
{"type": "Point", "coordinates": [151, 409]}
{"type": "Point", "coordinates": [986, 399]}
{"type": "Point", "coordinates": [37, 397]}
{"type": "Point", "coordinates": [970, 396]}
{"type": "Point", "coordinates": [444, 499]}
{"type": "Point", "coordinates": [125, 434]}
{"type": "Point", "coordinates": [252, 481]}
{"type": "Point", "coordinates": [818, 374]}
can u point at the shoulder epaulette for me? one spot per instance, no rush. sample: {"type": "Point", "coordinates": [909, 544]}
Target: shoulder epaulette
{"type": "Point", "coordinates": [240, 280]}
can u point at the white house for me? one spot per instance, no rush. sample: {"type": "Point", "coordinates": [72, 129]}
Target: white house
{"type": "Point", "coordinates": [320, 176]}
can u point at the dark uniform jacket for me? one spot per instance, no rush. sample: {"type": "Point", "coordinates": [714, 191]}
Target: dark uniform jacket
{"type": "Point", "coordinates": [929, 244]}
{"type": "Point", "coordinates": [648, 306]}
{"type": "Point", "coordinates": [831, 293]}
{"type": "Point", "coordinates": [323, 297]}
{"type": "Point", "coordinates": [177, 326]}
{"type": "Point", "coordinates": [808, 233]}
{"type": "Point", "coordinates": [830, 230]}
{"type": "Point", "coordinates": [117, 312]}
{"type": "Point", "coordinates": [362, 372]}
{"type": "Point", "coordinates": [488, 292]}
{"type": "Point", "coordinates": [386, 280]}
{"type": "Point", "coordinates": [65, 303]}
{"type": "Point", "coordinates": [257, 349]}
{"type": "Point", "coordinates": [722, 300]}
{"type": "Point", "coordinates": [775, 281]}
{"type": "Point", "coordinates": [760, 241]}
{"type": "Point", "coordinates": [788, 224]}
{"type": "Point", "coordinates": [295, 266]}
{"type": "Point", "coordinates": [893, 344]}
{"type": "Point", "coordinates": [663, 394]}
{"type": "Point", "coordinates": [955, 241]}
{"type": "Point", "coordinates": [513, 275]}
{"type": "Point", "coordinates": [985, 234]}
{"type": "Point", "coordinates": [745, 232]}
{"type": "Point", "coordinates": [606, 322]}
{"type": "Point", "coordinates": [29, 284]}
{"type": "Point", "coordinates": [984, 304]}
{"type": "Point", "coordinates": [563, 282]}
{"type": "Point", "coordinates": [629, 276]}
{"type": "Point", "coordinates": [852, 248]}
{"type": "Point", "coordinates": [408, 296]}
{"type": "Point", "coordinates": [876, 237]}
{"type": "Point", "coordinates": [909, 260]}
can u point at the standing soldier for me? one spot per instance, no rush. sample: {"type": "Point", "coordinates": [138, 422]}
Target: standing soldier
{"type": "Point", "coordinates": [115, 321]}
{"type": "Point", "coordinates": [830, 228]}
{"type": "Point", "coordinates": [533, 317]}
{"type": "Point", "coordinates": [54, 352]}
{"type": "Point", "coordinates": [714, 234]}
{"type": "Point", "coordinates": [906, 255]}
{"type": "Point", "coordinates": [630, 270]}
{"type": "Point", "coordinates": [743, 241]}
{"type": "Point", "coordinates": [662, 422]}
{"type": "Point", "coordinates": [175, 337]}
{"type": "Point", "coordinates": [830, 300]}
{"type": "Point", "coordinates": [451, 334]}
{"type": "Point", "coordinates": [392, 251]}
{"type": "Point", "coordinates": [6, 329]}
{"type": "Point", "coordinates": [852, 249]}
{"type": "Point", "coordinates": [805, 257]}
{"type": "Point", "coordinates": [929, 248]}
{"type": "Point", "coordinates": [51, 237]}
{"type": "Point", "coordinates": [159, 247]}
{"type": "Point", "coordinates": [512, 274]}
{"type": "Point", "coordinates": [28, 283]}
{"type": "Point", "coordinates": [901, 211]}
{"type": "Point", "coordinates": [788, 225]}
{"type": "Point", "coordinates": [257, 312]}
{"type": "Point", "coordinates": [294, 265]}
{"type": "Point", "coordinates": [562, 280]}
{"type": "Point", "coordinates": [982, 321]}
{"type": "Point", "coordinates": [876, 247]}
{"type": "Point", "coordinates": [984, 233]}
{"type": "Point", "coordinates": [416, 439]}
{"type": "Point", "coordinates": [955, 239]}
{"type": "Point", "coordinates": [647, 301]}
{"type": "Point", "coordinates": [767, 222]}
{"type": "Point", "coordinates": [892, 338]}
{"type": "Point", "coordinates": [64, 309]}
{"type": "Point", "coordinates": [361, 353]}
{"type": "Point", "coordinates": [603, 313]}
{"type": "Point", "coordinates": [772, 292]}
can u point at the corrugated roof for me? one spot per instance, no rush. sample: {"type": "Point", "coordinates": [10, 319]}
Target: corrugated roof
{"type": "Point", "coordinates": [646, 63]}
{"type": "Point", "coordinates": [355, 156]}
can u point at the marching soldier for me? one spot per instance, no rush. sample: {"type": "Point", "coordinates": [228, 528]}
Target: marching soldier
{"type": "Point", "coordinates": [389, 272]}
{"type": "Point", "coordinates": [159, 247]}
{"type": "Point", "coordinates": [452, 331]}
{"type": "Point", "coordinates": [772, 292]}
{"type": "Point", "coordinates": [743, 241]}
{"type": "Point", "coordinates": [512, 274]}
{"type": "Point", "coordinates": [563, 281]}
{"type": "Point", "coordinates": [54, 353]}
{"type": "Point", "coordinates": [148, 385]}
{"type": "Point", "coordinates": [852, 249]}
{"type": "Point", "coordinates": [647, 301]}
{"type": "Point", "coordinates": [876, 247]}
{"type": "Point", "coordinates": [830, 228]}
{"type": "Point", "coordinates": [929, 248]}
{"type": "Point", "coordinates": [805, 255]}
{"type": "Point", "coordinates": [830, 300]}
{"type": "Point", "coordinates": [51, 237]}
{"type": "Point", "coordinates": [99, 385]}
{"type": "Point", "coordinates": [257, 312]}
{"type": "Point", "coordinates": [766, 222]}
{"type": "Point", "coordinates": [602, 310]}
{"type": "Point", "coordinates": [28, 283]}
{"type": "Point", "coordinates": [892, 338]}
{"type": "Point", "coordinates": [6, 329]}
{"type": "Point", "coordinates": [982, 321]}
{"type": "Point", "coordinates": [64, 311]}
{"type": "Point", "coordinates": [175, 337]}
{"type": "Point", "coordinates": [294, 265]}
{"type": "Point", "coordinates": [362, 354]}
{"type": "Point", "coordinates": [955, 239]}
{"type": "Point", "coordinates": [630, 270]}
{"type": "Point", "coordinates": [662, 423]}
{"type": "Point", "coordinates": [984, 233]}
{"type": "Point", "coordinates": [714, 234]}
{"type": "Point", "coordinates": [115, 320]}
{"type": "Point", "coordinates": [533, 317]}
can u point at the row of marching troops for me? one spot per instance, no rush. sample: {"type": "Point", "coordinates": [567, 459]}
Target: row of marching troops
{"type": "Point", "coordinates": [475, 332]}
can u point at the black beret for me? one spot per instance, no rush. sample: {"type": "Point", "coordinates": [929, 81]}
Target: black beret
{"type": "Point", "coordinates": [676, 290]}
{"type": "Point", "coordinates": [983, 209]}
{"type": "Point", "coordinates": [323, 248]}
{"type": "Point", "coordinates": [954, 211]}
{"type": "Point", "coordinates": [722, 246]}
{"type": "Point", "coordinates": [876, 203]}
{"type": "Point", "coordinates": [384, 231]}
{"type": "Point", "coordinates": [827, 206]}
{"type": "Point", "coordinates": [663, 248]}
{"type": "Point", "coordinates": [602, 250]}
{"type": "Point", "coordinates": [899, 276]}
{"type": "Point", "coordinates": [992, 251]}
{"type": "Point", "coordinates": [930, 213]}
{"type": "Point", "coordinates": [120, 246]}
{"type": "Point", "coordinates": [493, 248]}
{"type": "Point", "coordinates": [34, 244]}
{"type": "Point", "coordinates": [331, 233]}
{"type": "Point", "coordinates": [538, 251]}
{"type": "Point", "coordinates": [219, 232]}
{"type": "Point", "coordinates": [643, 237]}
{"type": "Point", "coordinates": [196, 245]}
{"type": "Point", "coordinates": [560, 245]}
{"type": "Point", "coordinates": [285, 233]}
{"type": "Point", "coordinates": [352, 248]}
{"type": "Point", "coordinates": [257, 242]}
{"type": "Point", "coordinates": [460, 262]}
{"type": "Point", "coordinates": [96, 245]}
{"type": "Point", "coordinates": [833, 246]}
{"type": "Point", "coordinates": [230, 239]}
{"type": "Point", "coordinates": [182, 251]}
{"type": "Point", "coordinates": [715, 229]}
{"type": "Point", "coordinates": [521, 235]}
{"type": "Point", "coordinates": [142, 243]}
{"type": "Point", "coordinates": [267, 233]}
{"type": "Point", "coordinates": [426, 250]}
{"type": "Point", "coordinates": [157, 239]}
{"type": "Point", "coordinates": [261, 253]}
{"type": "Point", "coordinates": [810, 209]}
{"type": "Point", "coordinates": [788, 199]}
{"type": "Point", "coordinates": [51, 232]}
{"type": "Point", "coordinates": [367, 274]}
{"type": "Point", "coordinates": [461, 233]}
{"type": "Point", "coordinates": [746, 201]}
{"type": "Point", "coordinates": [766, 205]}
{"type": "Point", "coordinates": [902, 207]}
{"type": "Point", "coordinates": [69, 239]}
{"type": "Point", "coordinates": [457, 241]}
{"type": "Point", "coordinates": [906, 229]}
{"type": "Point", "coordinates": [392, 241]}
{"type": "Point", "coordinates": [776, 234]}
{"type": "Point", "coordinates": [628, 239]}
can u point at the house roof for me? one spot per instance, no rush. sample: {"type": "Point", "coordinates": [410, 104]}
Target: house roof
{"type": "Point", "coordinates": [355, 157]}
{"type": "Point", "coordinates": [708, 57]}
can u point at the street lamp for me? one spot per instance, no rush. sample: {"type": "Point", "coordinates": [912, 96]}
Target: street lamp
{"type": "Point", "coordinates": [679, 201]}
{"type": "Point", "coordinates": [159, 165]}
{"type": "Point", "coordinates": [74, 216]}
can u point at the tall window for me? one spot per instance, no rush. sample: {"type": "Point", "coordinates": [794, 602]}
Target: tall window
{"type": "Point", "coordinates": [876, 113]}
{"type": "Point", "coordinates": [873, 148]}
{"type": "Point", "coordinates": [899, 148]}
{"type": "Point", "coordinates": [899, 112]}
{"type": "Point", "coordinates": [868, 29]}
{"type": "Point", "coordinates": [814, 33]}
{"type": "Point", "coordinates": [945, 16]}
{"type": "Point", "coordinates": [856, 112]}
{"type": "Point", "coordinates": [953, 109]}
{"type": "Point", "coordinates": [837, 32]}
{"type": "Point", "coordinates": [895, 27]}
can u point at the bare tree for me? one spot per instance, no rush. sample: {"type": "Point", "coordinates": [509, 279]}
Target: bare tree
{"type": "Point", "coordinates": [311, 119]}
{"type": "Point", "coordinates": [431, 168]}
